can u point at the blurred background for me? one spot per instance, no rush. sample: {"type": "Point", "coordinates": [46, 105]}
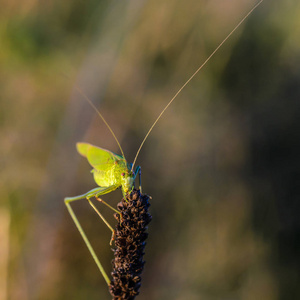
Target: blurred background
{"type": "Point", "coordinates": [222, 165]}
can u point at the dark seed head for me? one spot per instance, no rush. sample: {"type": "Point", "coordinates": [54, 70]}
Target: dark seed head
{"type": "Point", "coordinates": [130, 244]}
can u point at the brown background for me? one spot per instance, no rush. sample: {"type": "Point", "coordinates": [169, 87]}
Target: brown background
{"type": "Point", "coordinates": [222, 165]}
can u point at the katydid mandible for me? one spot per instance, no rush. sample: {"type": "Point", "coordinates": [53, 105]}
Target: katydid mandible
{"type": "Point", "coordinates": [111, 171]}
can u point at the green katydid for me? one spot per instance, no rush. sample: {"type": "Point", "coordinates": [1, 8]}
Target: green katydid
{"type": "Point", "coordinates": [112, 171]}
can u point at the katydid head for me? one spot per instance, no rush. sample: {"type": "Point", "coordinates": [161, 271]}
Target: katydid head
{"type": "Point", "coordinates": [127, 180]}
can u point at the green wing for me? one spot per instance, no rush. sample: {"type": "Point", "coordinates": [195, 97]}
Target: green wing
{"type": "Point", "coordinates": [96, 156]}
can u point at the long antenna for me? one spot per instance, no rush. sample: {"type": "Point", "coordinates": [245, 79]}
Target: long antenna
{"type": "Point", "coordinates": [220, 45]}
{"type": "Point", "coordinates": [100, 115]}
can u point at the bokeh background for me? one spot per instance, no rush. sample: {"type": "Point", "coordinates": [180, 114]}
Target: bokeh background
{"type": "Point", "coordinates": [222, 165]}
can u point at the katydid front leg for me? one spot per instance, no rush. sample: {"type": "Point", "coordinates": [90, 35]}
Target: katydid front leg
{"type": "Point", "coordinates": [138, 170]}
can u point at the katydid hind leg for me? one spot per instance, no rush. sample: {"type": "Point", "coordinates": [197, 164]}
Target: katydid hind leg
{"type": "Point", "coordinates": [93, 193]}
{"type": "Point", "coordinates": [86, 240]}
